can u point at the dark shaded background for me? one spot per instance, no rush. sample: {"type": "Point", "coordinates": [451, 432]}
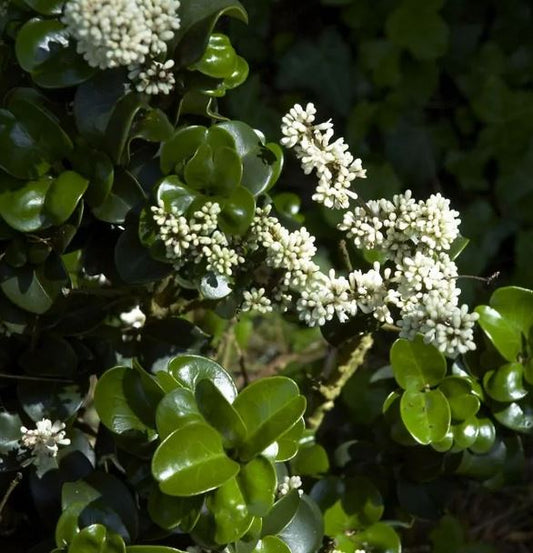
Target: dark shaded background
{"type": "Point", "coordinates": [433, 95]}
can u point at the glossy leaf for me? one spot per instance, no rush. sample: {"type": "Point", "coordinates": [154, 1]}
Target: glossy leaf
{"type": "Point", "coordinates": [516, 305]}
{"type": "Point", "coordinates": [517, 416]}
{"type": "Point", "coordinates": [229, 509]}
{"type": "Point", "coordinates": [426, 415]}
{"type": "Point", "coordinates": [34, 289]}
{"type": "Point", "coordinates": [125, 404]}
{"type": "Point", "coordinates": [310, 461]}
{"type": "Point", "coordinates": [188, 370]}
{"type": "Point", "coordinates": [238, 212]}
{"type": "Point", "coordinates": [271, 544]}
{"type": "Point", "coordinates": [417, 365]}
{"type": "Point", "coordinates": [63, 196]}
{"type": "Point", "coordinates": [485, 438]}
{"type": "Point", "coordinates": [219, 413]}
{"type": "Point", "coordinates": [44, 49]}
{"type": "Point", "coordinates": [505, 384]}
{"type": "Point", "coordinates": [289, 442]}
{"type": "Point", "coordinates": [201, 464]}
{"type": "Point", "coordinates": [501, 332]}
{"type": "Point", "coordinates": [257, 481]}
{"type": "Point", "coordinates": [97, 539]}
{"type": "Point", "coordinates": [458, 391]}
{"type": "Point", "coordinates": [175, 410]}
{"type": "Point", "coordinates": [269, 408]}
{"type": "Point", "coordinates": [197, 22]}
{"type": "Point", "coordinates": [181, 147]}
{"type": "Point", "coordinates": [169, 511]}
{"type": "Point", "coordinates": [381, 537]}
{"type": "Point", "coordinates": [304, 533]}
{"type": "Point", "coordinates": [10, 424]}
{"type": "Point", "coordinates": [465, 433]}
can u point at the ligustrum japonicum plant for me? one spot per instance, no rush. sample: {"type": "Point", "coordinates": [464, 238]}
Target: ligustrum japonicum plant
{"type": "Point", "coordinates": [184, 366]}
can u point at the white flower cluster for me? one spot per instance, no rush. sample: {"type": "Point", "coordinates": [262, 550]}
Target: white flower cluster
{"type": "Point", "coordinates": [400, 226]}
{"type": "Point", "coordinates": [197, 240]}
{"type": "Point", "coordinates": [335, 166]}
{"type": "Point", "coordinates": [156, 78]}
{"type": "Point", "coordinates": [135, 318]}
{"type": "Point", "coordinates": [126, 33]}
{"type": "Point", "coordinates": [256, 300]}
{"type": "Point", "coordinates": [43, 442]}
{"type": "Point", "coordinates": [418, 284]}
{"type": "Point", "coordinates": [290, 483]}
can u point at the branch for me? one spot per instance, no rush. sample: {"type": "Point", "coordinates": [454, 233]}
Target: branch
{"type": "Point", "coordinates": [330, 389]}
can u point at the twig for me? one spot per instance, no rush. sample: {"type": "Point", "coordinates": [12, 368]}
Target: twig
{"type": "Point", "coordinates": [345, 255]}
{"type": "Point", "coordinates": [10, 489]}
{"type": "Point", "coordinates": [36, 378]}
{"type": "Point", "coordinates": [330, 389]}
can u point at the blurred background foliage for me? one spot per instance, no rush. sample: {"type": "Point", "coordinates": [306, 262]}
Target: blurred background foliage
{"type": "Point", "coordinates": [433, 95]}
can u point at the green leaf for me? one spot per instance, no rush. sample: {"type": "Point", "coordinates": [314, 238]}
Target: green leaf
{"type": "Point", "coordinates": [168, 511]}
{"type": "Point", "coordinates": [505, 384]}
{"type": "Point", "coordinates": [192, 461]}
{"type": "Point", "coordinates": [219, 58]}
{"type": "Point", "coordinates": [516, 305]}
{"type": "Point", "coordinates": [34, 289]}
{"type": "Point", "coordinates": [174, 194]}
{"type": "Point", "coordinates": [102, 498]}
{"type": "Point", "coordinates": [304, 533]}
{"type": "Point", "coordinates": [21, 153]}
{"type": "Point", "coordinates": [197, 22]}
{"type": "Point", "coordinates": [97, 539]}
{"type": "Point", "coordinates": [51, 400]}
{"type": "Point", "coordinates": [347, 504]}
{"type": "Point", "coordinates": [486, 436]}
{"type": "Point", "coordinates": [94, 101]}
{"type": "Point", "coordinates": [418, 28]}
{"type": "Point", "coordinates": [310, 461]}
{"type": "Point", "coordinates": [125, 403]}
{"type": "Point", "coordinates": [381, 538]}
{"type": "Point", "coordinates": [458, 391]}
{"type": "Point", "coordinates": [517, 416]}
{"type": "Point", "coordinates": [237, 213]}
{"type": "Point", "coordinates": [63, 196]}
{"type": "Point", "coordinates": [44, 49]}
{"type": "Point", "coordinates": [426, 415]}
{"type": "Point", "coordinates": [257, 481]}
{"type": "Point", "coordinates": [46, 7]}
{"type": "Point", "coordinates": [188, 370]}
{"type": "Point", "coordinates": [23, 208]}
{"type": "Point", "coordinates": [97, 168]}
{"type": "Point", "coordinates": [219, 413]}
{"type": "Point", "coordinates": [181, 147]}
{"type": "Point", "coordinates": [229, 509]}
{"type": "Point", "coordinates": [260, 164]}
{"type": "Point", "coordinates": [289, 441]}
{"type": "Point", "coordinates": [30, 109]}
{"type": "Point", "coordinates": [270, 407]}
{"type": "Point", "coordinates": [465, 433]}
{"type": "Point", "coordinates": [417, 365]}
{"type": "Point", "coordinates": [125, 194]}
{"type": "Point", "coordinates": [458, 245]}
{"type": "Point", "coordinates": [175, 410]}
{"type": "Point", "coordinates": [501, 332]}
{"type": "Point", "coordinates": [271, 544]}
{"type": "Point", "coordinates": [281, 514]}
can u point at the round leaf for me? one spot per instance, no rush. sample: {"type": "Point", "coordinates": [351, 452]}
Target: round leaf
{"type": "Point", "coordinates": [458, 391]}
{"type": "Point", "coordinates": [270, 407]}
{"type": "Point", "coordinates": [175, 410]}
{"type": "Point", "coordinates": [219, 413]}
{"type": "Point", "coordinates": [417, 365]}
{"type": "Point", "coordinates": [501, 332]}
{"type": "Point", "coordinates": [257, 481]}
{"type": "Point", "coordinates": [426, 415]}
{"type": "Point", "coordinates": [192, 461]}
{"type": "Point", "coordinates": [188, 370]}
{"type": "Point", "coordinates": [505, 383]}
